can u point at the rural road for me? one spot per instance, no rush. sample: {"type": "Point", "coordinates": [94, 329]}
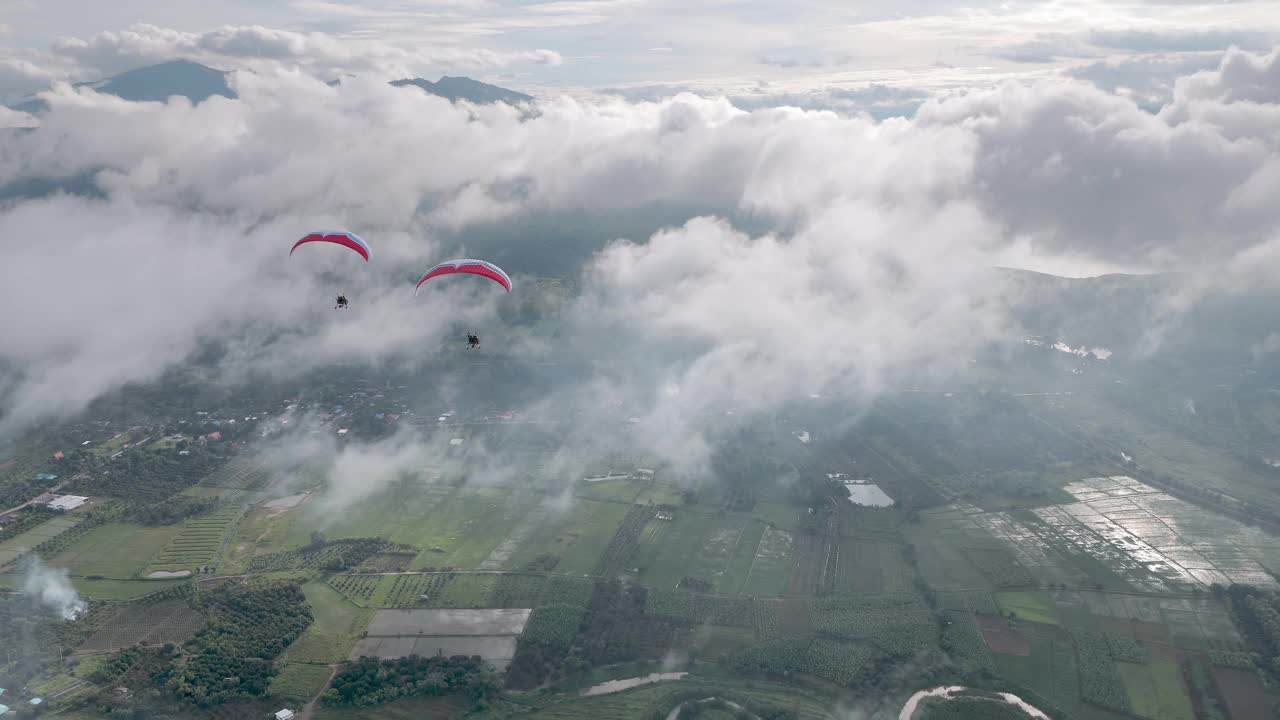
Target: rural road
{"type": "Point", "coordinates": [307, 710]}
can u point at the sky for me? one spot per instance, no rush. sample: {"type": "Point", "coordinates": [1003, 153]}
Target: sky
{"type": "Point", "coordinates": [645, 46]}
{"type": "Point", "coordinates": [706, 235]}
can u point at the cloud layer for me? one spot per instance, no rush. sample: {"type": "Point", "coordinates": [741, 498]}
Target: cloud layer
{"type": "Point", "coordinates": [812, 252]}
{"type": "Point", "coordinates": [320, 53]}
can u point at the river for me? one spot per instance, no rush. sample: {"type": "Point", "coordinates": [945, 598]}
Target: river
{"type": "Point", "coordinates": [951, 691]}
{"type": "Point", "coordinates": [613, 686]}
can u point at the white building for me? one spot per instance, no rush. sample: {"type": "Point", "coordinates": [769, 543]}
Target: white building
{"type": "Point", "coordinates": [66, 502]}
{"type": "Point", "coordinates": [284, 715]}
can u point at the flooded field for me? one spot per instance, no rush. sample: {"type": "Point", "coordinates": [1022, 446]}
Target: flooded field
{"type": "Point", "coordinates": [491, 634]}
{"type": "Point", "coordinates": [1145, 538]}
{"type": "Point", "coordinates": [868, 494]}
{"type": "Point", "coordinates": [448, 622]}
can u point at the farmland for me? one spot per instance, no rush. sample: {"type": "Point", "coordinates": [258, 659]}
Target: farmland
{"type": "Point", "coordinates": [169, 621]}
{"type": "Point", "coordinates": [298, 683]}
{"type": "Point", "coordinates": [47, 530]}
{"type": "Point", "coordinates": [198, 542]}
{"type": "Point", "coordinates": [1060, 577]}
{"type": "Point", "coordinates": [114, 550]}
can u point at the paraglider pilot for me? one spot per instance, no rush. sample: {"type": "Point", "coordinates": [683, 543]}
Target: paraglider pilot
{"type": "Point", "coordinates": [342, 302]}
{"type": "Point", "coordinates": [473, 342]}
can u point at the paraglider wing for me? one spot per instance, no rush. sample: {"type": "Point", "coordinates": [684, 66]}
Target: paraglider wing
{"type": "Point", "coordinates": [472, 267]}
{"type": "Point", "coordinates": [340, 237]}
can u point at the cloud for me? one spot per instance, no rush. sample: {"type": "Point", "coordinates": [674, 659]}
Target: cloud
{"type": "Point", "coordinates": [1148, 81]}
{"type": "Point", "coordinates": [779, 251]}
{"type": "Point", "coordinates": [1098, 43]}
{"type": "Point", "coordinates": [10, 119]}
{"type": "Point", "coordinates": [1047, 48]}
{"type": "Point", "coordinates": [1148, 41]}
{"type": "Point", "coordinates": [323, 54]}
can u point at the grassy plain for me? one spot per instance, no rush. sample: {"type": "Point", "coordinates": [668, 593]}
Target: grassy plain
{"type": "Point", "coordinates": [13, 547]}
{"type": "Point", "coordinates": [771, 566]}
{"type": "Point", "coordinates": [693, 545]}
{"type": "Point", "coordinates": [1032, 605]}
{"type": "Point", "coordinates": [117, 551]}
{"type": "Point", "coordinates": [338, 623]}
{"type": "Point", "coordinates": [298, 682]}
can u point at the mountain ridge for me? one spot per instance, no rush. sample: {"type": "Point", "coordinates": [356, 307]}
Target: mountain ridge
{"type": "Point", "coordinates": [198, 82]}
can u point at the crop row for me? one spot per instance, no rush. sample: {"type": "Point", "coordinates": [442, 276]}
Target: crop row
{"type": "Point", "coordinates": [1099, 681]}
{"type": "Point", "coordinates": [407, 590]}
{"type": "Point", "coordinates": [553, 626]}
{"type": "Point", "coordinates": [963, 641]}
{"type": "Point", "coordinates": [21, 522]}
{"type": "Point", "coordinates": [1126, 649]}
{"type": "Point", "coordinates": [1238, 659]}
{"type": "Point", "coordinates": [625, 540]}
{"type": "Point", "coordinates": [900, 625]}
{"type": "Point", "coordinates": [565, 590]}
{"type": "Point", "coordinates": [686, 607]}
{"type": "Point", "coordinates": [518, 591]}
{"type": "Point", "coordinates": [358, 588]}
{"type": "Point", "coordinates": [848, 664]}
{"type": "Point", "coordinates": [766, 617]}
{"type": "Point", "coordinates": [333, 555]}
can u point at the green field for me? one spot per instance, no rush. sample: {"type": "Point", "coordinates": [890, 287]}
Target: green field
{"type": "Point", "coordinates": [47, 530]}
{"type": "Point", "coordinates": [467, 525]}
{"type": "Point", "coordinates": [1036, 670]}
{"type": "Point", "coordinates": [1031, 605]}
{"type": "Point", "coordinates": [112, 589]}
{"type": "Point", "coordinates": [337, 624]}
{"type": "Point", "coordinates": [742, 558]}
{"type": "Point", "coordinates": [577, 535]}
{"type": "Point", "coordinates": [1156, 691]}
{"type": "Point", "coordinates": [117, 551]}
{"type": "Point", "coordinates": [690, 545]}
{"type": "Point", "coordinates": [197, 543]}
{"type": "Point", "coordinates": [298, 683]}
{"type": "Point", "coordinates": [771, 566]}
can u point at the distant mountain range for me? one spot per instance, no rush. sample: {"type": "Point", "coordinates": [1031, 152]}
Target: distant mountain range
{"type": "Point", "coordinates": [464, 88]}
{"type": "Point", "coordinates": [199, 83]}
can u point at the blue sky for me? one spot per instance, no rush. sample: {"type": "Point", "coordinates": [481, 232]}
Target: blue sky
{"type": "Point", "coordinates": [714, 45]}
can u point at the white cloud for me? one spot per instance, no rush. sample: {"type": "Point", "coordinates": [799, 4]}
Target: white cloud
{"type": "Point", "coordinates": [857, 250]}
{"type": "Point", "coordinates": [324, 54]}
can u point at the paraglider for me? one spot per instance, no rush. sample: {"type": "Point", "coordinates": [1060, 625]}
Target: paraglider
{"type": "Point", "coordinates": [337, 237]}
{"type": "Point", "coordinates": [470, 267]}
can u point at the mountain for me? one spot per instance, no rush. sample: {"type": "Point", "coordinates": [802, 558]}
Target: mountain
{"type": "Point", "coordinates": [464, 88]}
{"type": "Point", "coordinates": [197, 83]}
{"type": "Point", "coordinates": [1196, 322]}
{"type": "Point", "coordinates": [155, 83]}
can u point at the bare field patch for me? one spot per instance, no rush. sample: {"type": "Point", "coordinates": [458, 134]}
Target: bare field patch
{"type": "Point", "coordinates": [1000, 637]}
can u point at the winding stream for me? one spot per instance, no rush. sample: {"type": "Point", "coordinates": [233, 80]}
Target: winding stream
{"type": "Point", "coordinates": [613, 686]}
{"type": "Point", "coordinates": [953, 690]}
